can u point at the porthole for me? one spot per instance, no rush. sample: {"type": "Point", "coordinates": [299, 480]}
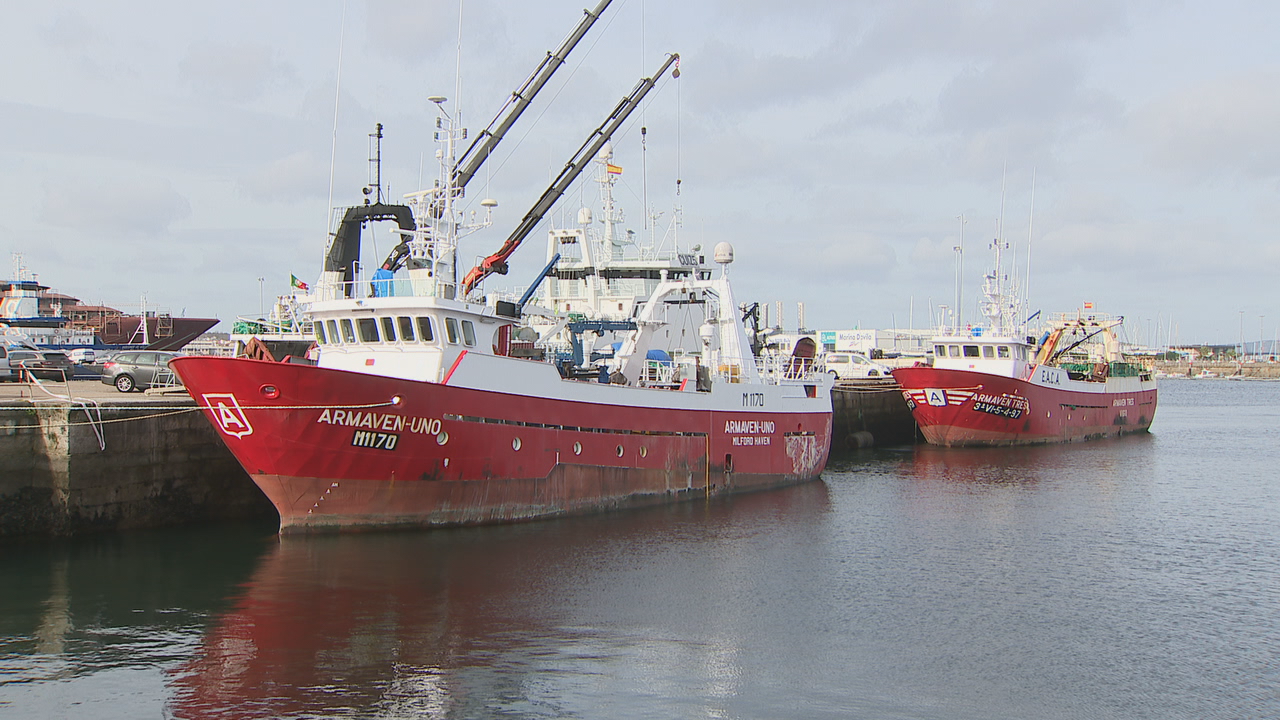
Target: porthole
{"type": "Point", "coordinates": [515, 444]}
{"type": "Point", "coordinates": [644, 452]}
{"type": "Point", "coordinates": [442, 437]}
{"type": "Point", "coordinates": [577, 448]}
{"type": "Point", "coordinates": [620, 451]}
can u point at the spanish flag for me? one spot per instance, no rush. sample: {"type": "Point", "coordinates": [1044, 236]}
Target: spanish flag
{"type": "Point", "coordinates": [294, 282]}
{"type": "Point", "coordinates": [612, 169]}
{"type": "Point", "coordinates": [1088, 306]}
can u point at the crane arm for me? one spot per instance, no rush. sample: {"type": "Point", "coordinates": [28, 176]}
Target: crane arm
{"type": "Point", "coordinates": [485, 143]}
{"type": "Point", "coordinates": [497, 262]}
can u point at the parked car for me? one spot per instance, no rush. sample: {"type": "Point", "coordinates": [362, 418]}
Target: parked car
{"type": "Point", "coordinates": [853, 365]}
{"type": "Point", "coordinates": [139, 370]}
{"type": "Point", "coordinates": [83, 356]}
{"type": "Point", "coordinates": [43, 365]}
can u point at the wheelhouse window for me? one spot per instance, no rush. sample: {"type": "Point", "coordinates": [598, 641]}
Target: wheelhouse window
{"type": "Point", "coordinates": [332, 331]}
{"type": "Point", "coordinates": [319, 330]}
{"type": "Point", "coordinates": [406, 328]}
{"type": "Point", "coordinates": [955, 350]}
{"type": "Point", "coordinates": [1003, 351]}
{"type": "Point", "coordinates": [468, 333]}
{"type": "Point", "coordinates": [451, 330]}
{"type": "Point", "coordinates": [348, 331]}
{"type": "Point", "coordinates": [971, 351]}
{"type": "Point", "coordinates": [424, 330]}
{"type": "Point", "coordinates": [368, 330]}
{"type": "Point", "coordinates": [988, 351]}
{"type": "Point", "coordinates": [389, 329]}
{"type": "Point", "coordinates": [940, 350]}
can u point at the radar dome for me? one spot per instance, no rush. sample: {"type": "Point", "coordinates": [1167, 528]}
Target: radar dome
{"type": "Point", "coordinates": [724, 253]}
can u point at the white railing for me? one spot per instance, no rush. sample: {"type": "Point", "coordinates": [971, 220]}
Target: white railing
{"type": "Point", "coordinates": [1088, 319]}
{"type": "Point", "coordinates": [787, 369]}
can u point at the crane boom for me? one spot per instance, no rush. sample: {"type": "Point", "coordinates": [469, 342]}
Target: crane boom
{"type": "Point", "coordinates": [497, 262]}
{"type": "Point", "coordinates": [488, 139]}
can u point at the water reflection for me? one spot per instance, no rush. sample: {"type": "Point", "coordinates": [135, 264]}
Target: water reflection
{"type": "Point", "coordinates": [91, 621]}
{"type": "Point", "coordinates": [1027, 465]}
{"type": "Point", "coordinates": [554, 618]}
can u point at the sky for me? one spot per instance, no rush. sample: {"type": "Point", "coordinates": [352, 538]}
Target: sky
{"type": "Point", "coordinates": [1129, 150]}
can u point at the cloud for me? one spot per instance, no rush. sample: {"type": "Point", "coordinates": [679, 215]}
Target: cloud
{"type": "Point", "coordinates": [299, 176]}
{"type": "Point", "coordinates": [70, 30]}
{"type": "Point", "coordinates": [122, 206]}
{"type": "Point", "coordinates": [1222, 127]}
{"type": "Point", "coordinates": [239, 71]}
{"type": "Point", "coordinates": [412, 31]}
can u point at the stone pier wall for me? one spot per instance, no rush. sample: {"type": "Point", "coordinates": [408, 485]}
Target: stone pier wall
{"type": "Point", "coordinates": [144, 463]}
{"type": "Point", "coordinates": [870, 413]}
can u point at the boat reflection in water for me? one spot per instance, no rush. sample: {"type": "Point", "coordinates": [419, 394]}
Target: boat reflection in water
{"type": "Point", "coordinates": [1022, 465]}
{"type": "Point", "coordinates": [563, 617]}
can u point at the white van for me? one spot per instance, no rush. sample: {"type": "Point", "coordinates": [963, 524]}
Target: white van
{"type": "Point", "coordinates": [853, 365]}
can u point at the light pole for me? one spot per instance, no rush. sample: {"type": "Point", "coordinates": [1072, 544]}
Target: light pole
{"type": "Point", "coordinates": [262, 300]}
{"type": "Point", "coordinates": [1240, 357]}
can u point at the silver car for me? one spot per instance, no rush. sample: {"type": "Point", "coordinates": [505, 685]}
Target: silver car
{"type": "Point", "coordinates": [138, 370]}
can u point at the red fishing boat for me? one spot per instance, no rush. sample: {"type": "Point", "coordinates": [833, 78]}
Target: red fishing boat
{"type": "Point", "coordinates": [417, 412]}
{"type": "Point", "coordinates": [996, 385]}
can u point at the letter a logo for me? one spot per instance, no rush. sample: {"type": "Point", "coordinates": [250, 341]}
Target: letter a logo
{"type": "Point", "coordinates": [228, 414]}
{"type": "Point", "coordinates": [936, 398]}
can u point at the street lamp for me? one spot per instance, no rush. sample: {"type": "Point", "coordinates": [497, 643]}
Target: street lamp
{"type": "Point", "coordinates": [262, 301]}
{"type": "Point", "coordinates": [1240, 357]}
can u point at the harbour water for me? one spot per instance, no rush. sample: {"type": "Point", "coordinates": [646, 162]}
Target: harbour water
{"type": "Point", "coordinates": [1133, 578]}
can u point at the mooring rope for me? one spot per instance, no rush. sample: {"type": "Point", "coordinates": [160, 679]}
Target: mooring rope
{"type": "Point", "coordinates": [194, 408]}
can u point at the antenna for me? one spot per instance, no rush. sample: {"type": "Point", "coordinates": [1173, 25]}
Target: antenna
{"type": "Point", "coordinates": [959, 270]}
{"type": "Point", "coordinates": [375, 166]}
{"type": "Point", "coordinates": [337, 95]}
{"type": "Point", "coordinates": [644, 173]}
{"type": "Point", "coordinates": [1026, 288]}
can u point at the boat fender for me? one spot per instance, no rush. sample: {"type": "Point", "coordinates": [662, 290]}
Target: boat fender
{"type": "Point", "coordinates": [860, 439]}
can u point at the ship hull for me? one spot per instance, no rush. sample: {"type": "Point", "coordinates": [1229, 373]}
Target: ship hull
{"type": "Point", "coordinates": [169, 334]}
{"type": "Point", "coordinates": [335, 449]}
{"type": "Point", "coordinates": [958, 408]}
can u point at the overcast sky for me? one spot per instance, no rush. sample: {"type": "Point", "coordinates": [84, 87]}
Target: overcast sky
{"type": "Point", "coordinates": [183, 149]}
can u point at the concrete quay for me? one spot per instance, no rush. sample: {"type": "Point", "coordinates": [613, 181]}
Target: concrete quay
{"type": "Point", "coordinates": [81, 457]}
{"type": "Point", "coordinates": [1183, 368]}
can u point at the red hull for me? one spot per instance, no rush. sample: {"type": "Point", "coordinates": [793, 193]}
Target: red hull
{"type": "Point", "coordinates": [336, 449]}
{"type": "Point", "coordinates": [966, 408]}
